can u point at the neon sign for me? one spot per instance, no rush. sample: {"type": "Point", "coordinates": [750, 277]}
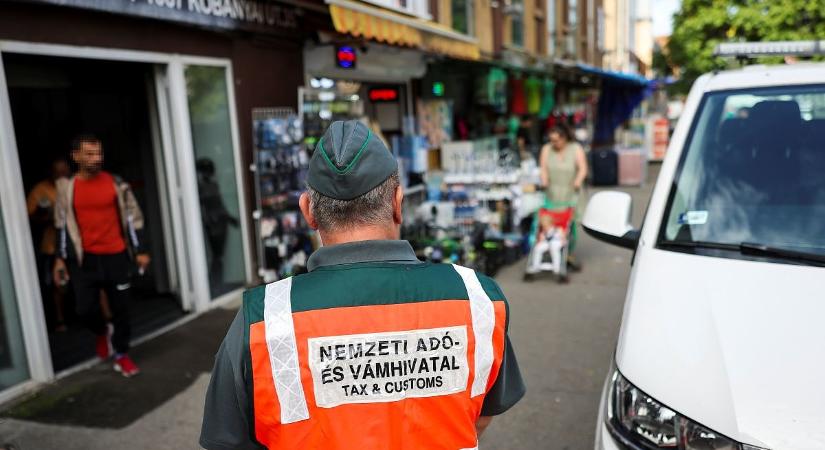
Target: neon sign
{"type": "Point", "coordinates": [345, 57]}
{"type": "Point", "coordinates": [383, 95]}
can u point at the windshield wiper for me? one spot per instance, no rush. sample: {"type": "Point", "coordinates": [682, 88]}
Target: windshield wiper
{"type": "Point", "coordinates": [752, 249]}
{"type": "Point", "coordinates": [700, 244]}
{"type": "Point", "coordinates": [748, 248]}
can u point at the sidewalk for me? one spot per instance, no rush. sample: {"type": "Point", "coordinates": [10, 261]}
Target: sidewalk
{"type": "Point", "coordinates": [97, 408]}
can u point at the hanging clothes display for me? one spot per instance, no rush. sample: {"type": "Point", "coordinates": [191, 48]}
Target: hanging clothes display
{"type": "Point", "coordinates": [532, 90]}
{"type": "Point", "coordinates": [548, 98]}
{"type": "Point", "coordinates": [513, 125]}
{"type": "Point", "coordinates": [496, 90]}
{"type": "Point", "coordinates": [518, 99]}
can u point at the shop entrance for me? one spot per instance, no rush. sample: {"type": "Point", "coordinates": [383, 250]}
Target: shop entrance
{"type": "Point", "coordinates": [54, 99]}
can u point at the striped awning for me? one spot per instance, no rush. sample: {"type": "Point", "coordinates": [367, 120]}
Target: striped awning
{"type": "Point", "coordinates": [451, 47]}
{"type": "Point", "coordinates": [381, 25]}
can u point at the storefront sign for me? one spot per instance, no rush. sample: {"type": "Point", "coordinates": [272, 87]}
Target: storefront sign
{"type": "Point", "coordinates": [251, 15]}
{"type": "Point", "coordinates": [345, 57]}
{"type": "Point", "coordinates": [383, 95]}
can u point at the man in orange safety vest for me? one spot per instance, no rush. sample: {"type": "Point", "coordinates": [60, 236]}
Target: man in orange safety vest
{"type": "Point", "coordinates": [371, 349]}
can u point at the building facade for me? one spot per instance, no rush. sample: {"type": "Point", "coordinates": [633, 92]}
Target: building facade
{"type": "Point", "coordinates": [628, 40]}
{"type": "Point", "coordinates": [168, 86]}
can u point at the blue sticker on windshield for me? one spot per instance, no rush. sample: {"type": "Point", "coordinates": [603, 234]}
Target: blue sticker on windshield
{"type": "Point", "coordinates": [693, 218]}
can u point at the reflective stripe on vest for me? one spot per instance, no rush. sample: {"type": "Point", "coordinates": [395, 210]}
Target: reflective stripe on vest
{"type": "Point", "coordinates": [283, 351]}
{"type": "Point", "coordinates": [484, 320]}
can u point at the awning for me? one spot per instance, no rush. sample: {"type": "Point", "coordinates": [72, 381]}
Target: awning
{"type": "Point", "coordinates": [615, 78]}
{"type": "Point", "coordinates": [620, 94]}
{"type": "Point", "coordinates": [378, 24]}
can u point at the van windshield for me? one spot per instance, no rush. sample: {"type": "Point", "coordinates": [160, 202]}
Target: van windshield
{"type": "Point", "coordinates": [753, 172]}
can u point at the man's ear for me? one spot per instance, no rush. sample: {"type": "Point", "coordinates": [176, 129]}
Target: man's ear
{"type": "Point", "coordinates": [303, 202]}
{"type": "Point", "coordinates": [397, 203]}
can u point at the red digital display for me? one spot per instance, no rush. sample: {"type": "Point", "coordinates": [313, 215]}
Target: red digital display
{"type": "Point", "coordinates": [383, 95]}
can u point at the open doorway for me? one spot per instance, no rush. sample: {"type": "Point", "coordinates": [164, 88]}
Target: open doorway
{"type": "Point", "coordinates": [54, 99]}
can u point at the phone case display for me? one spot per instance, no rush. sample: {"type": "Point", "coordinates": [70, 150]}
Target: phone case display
{"type": "Point", "coordinates": [281, 163]}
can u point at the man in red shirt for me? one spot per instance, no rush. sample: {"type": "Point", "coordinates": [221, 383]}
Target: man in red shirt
{"type": "Point", "coordinates": [100, 228]}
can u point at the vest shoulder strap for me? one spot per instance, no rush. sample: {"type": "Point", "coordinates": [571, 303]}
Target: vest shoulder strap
{"type": "Point", "coordinates": [484, 322]}
{"type": "Point", "coordinates": [283, 351]}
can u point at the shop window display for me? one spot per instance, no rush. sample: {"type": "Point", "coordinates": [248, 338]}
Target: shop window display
{"type": "Point", "coordinates": [462, 15]}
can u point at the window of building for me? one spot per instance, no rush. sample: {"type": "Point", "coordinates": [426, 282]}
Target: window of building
{"type": "Point", "coordinates": [516, 10]}
{"type": "Point", "coordinates": [550, 14]}
{"type": "Point", "coordinates": [571, 16]}
{"type": "Point", "coordinates": [462, 14]}
{"type": "Point", "coordinates": [415, 7]}
{"type": "Point", "coordinates": [573, 13]}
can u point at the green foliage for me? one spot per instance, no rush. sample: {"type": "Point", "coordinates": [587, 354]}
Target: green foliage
{"type": "Point", "coordinates": [661, 64]}
{"type": "Point", "coordinates": [702, 24]}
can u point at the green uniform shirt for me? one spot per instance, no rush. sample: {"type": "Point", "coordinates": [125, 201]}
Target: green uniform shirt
{"type": "Point", "coordinates": [228, 421]}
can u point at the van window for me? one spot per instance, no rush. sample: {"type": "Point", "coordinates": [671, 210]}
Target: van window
{"type": "Point", "coordinates": [753, 172]}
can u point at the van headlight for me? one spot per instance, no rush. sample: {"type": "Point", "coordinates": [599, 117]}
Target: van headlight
{"type": "Point", "coordinates": [640, 422]}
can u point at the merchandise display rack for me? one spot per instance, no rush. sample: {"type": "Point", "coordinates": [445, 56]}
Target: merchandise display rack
{"type": "Point", "coordinates": [279, 168]}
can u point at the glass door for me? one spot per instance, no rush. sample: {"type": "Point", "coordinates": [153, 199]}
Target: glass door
{"type": "Point", "coordinates": [24, 344]}
{"type": "Point", "coordinates": [210, 118]}
{"type": "Point", "coordinates": [13, 362]}
{"type": "Point", "coordinates": [166, 142]}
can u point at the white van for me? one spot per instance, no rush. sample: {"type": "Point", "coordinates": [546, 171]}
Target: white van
{"type": "Point", "coordinates": [722, 342]}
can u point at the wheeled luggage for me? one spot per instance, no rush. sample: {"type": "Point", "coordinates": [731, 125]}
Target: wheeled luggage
{"type": "Point", "coordinates": [604, 164]}
{"type": "Point", "coordinates": [632, 165]}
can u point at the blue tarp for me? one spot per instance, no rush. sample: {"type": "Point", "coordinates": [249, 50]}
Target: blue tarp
{"type": "Point", "coordinates": [620, 94]}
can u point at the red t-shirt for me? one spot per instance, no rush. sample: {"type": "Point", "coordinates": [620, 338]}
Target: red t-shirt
{"type": "Point", "coordinates": [95, 205]}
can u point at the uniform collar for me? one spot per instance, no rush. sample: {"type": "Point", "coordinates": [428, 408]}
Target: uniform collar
{"type": "Point", "coordinates": [362, 251]}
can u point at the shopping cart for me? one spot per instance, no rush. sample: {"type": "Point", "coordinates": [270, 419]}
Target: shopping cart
{"type": "Point", "coordinates": [552, 237]}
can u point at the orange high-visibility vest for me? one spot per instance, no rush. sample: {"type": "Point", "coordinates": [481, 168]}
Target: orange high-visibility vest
{"type": "Point", "coordinates": [405, 375]}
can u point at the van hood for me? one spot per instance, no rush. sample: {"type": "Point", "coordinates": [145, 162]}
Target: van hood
{"type": "Point", "coordinates": [738, 346]}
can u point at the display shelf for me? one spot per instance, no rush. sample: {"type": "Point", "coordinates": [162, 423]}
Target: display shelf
{"type": "Point", "coordinates": [280, 166]}
{"type": "Point", "coordinates": [494, 195]}
{"type": "Point", "coordinates": [482, 178]}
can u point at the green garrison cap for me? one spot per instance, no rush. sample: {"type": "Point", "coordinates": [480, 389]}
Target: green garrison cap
{"type": "Point", "coordinates": [349, 161]}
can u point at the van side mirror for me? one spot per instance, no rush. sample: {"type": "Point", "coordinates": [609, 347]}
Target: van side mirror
{"type": "Point", "coordinates": [607, 218]}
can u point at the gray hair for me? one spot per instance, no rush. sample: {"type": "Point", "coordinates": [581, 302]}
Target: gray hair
{"type": "Point", "coordinates": [372, 208]}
